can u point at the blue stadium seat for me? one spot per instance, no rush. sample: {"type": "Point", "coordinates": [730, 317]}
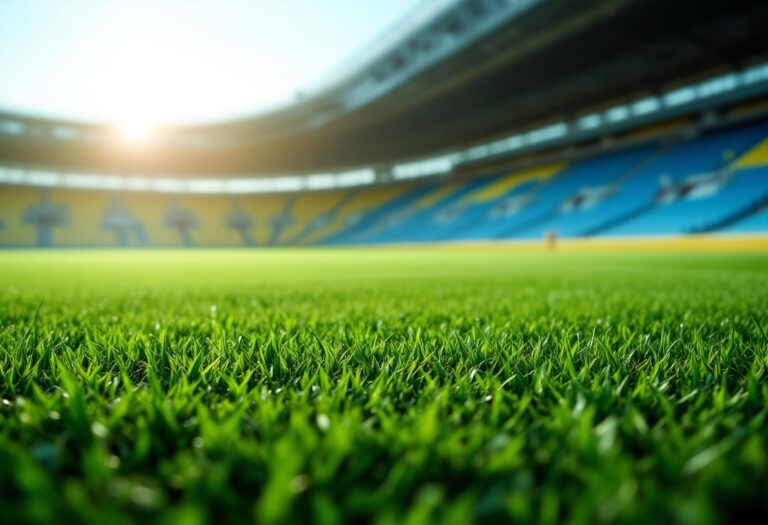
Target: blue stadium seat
{"type": "Point", "coordinates": [546, 198]}
{"type": "Point", "coordinates": [703, 155]}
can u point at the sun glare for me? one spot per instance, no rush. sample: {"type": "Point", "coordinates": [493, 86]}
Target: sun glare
{"type": "Point", "coordinates": [135, 133]}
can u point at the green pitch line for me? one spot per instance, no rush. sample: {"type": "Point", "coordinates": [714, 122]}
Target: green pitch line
{"type": "Point", "coordinates": [386, 386]}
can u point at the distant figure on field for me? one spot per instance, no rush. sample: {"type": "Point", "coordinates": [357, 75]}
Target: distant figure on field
{"type": "Point", "coordinates": [550, 239]}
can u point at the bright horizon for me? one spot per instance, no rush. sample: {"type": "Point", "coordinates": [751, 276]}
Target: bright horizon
{"type": "Point", "coordinates": [142, 64]}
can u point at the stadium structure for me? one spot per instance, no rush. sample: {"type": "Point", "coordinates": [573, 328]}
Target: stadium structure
{"type": "Point", "coordinates": [477, 120]}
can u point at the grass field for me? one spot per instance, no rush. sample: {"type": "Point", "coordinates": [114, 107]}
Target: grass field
{"type": "Point", "coordinates": [392, 386]}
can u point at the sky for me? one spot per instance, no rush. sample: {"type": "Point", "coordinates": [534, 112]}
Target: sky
{"type": "Point", "coordinates": [166, 62]}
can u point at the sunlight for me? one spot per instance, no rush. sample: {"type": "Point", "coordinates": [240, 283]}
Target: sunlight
{"type": "Point", "coordinates": [176, 62]}
{"type": "Point", "coordinates": [135, 132]}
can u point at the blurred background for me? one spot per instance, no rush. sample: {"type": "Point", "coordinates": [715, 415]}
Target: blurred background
{"type": "Point", "coordinates": [159, 124]}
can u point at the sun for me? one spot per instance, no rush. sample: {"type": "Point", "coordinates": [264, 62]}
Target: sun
{"type": "Point", "coordinates": [134, 132]}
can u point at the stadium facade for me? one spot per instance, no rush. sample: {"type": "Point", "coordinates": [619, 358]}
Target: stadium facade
{"type": "Point", "coordinates": [479, 120]}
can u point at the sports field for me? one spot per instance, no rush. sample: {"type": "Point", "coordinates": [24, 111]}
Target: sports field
{"type": "Point", "coordinates": [393, 386]}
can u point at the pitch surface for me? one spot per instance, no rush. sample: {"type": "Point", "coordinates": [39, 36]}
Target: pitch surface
{"type": "Point", "coordinates": [395, 386]}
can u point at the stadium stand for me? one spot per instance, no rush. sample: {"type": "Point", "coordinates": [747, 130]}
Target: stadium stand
{"type": "Point", "coordinates": [404, 223]}
{"type": "Point", "coordinates": [545, 206]}
{"type": "Point", "coordinates": [354, 210]}
{"type": "Point", "coordinates": [378, 217]}
{"type": "Point", "coordinates": [264, 210]}
{"type": "Point", "coordinates": [695, 172]}
{"type": "Point", "coordinates": [15, 201]}
{"type": "Point", "coordinates": [311, 211]}
{"type": "Point", "coordinates": [489, 207]}
{"type": "Point", "coordinates": [712, 182]}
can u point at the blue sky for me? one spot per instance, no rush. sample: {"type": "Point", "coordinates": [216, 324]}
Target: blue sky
{"type": "Point", "coordinates": [176, 61]}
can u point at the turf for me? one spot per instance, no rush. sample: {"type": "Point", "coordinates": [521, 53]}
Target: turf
{"type": "Point", "coordinates": [385, 386]}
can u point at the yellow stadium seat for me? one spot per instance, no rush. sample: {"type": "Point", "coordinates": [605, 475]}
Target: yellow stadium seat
{"type": "Point", "coordinates": [14, 201]}
{"type": "Point", "coordinates": [363, 201]}
{"type": "Point", "coordinates": [506, 184]}
{"type": "Point", "coordinates": [86, 212]}
{"type": "Point", "coordinates": [308, 207]}
{"type": "Point", "coordinates": [262, 208]}
{"type": "Point", "coordinates": [757, 156]}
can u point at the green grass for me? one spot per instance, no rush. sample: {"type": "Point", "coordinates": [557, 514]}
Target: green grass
{"type": "Point", "coordinates": [391, 386]}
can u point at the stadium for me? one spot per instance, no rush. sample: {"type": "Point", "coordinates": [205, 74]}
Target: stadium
{"type": "Point", "coordinates": [508, 263]}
